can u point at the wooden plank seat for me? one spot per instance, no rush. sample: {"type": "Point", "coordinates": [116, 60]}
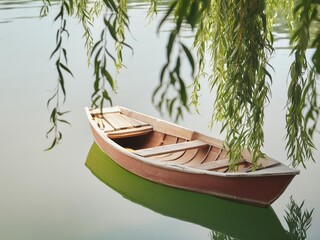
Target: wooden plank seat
{"type": "Point", "coordinates": [262, 163]}
{"type": "Point", "coordinates": [117, 125]}
{"type": "Point", "coordinates": [130, 132]}
{"type": "Point", "coordinates": [170, 148]}
{"type": "Point", "coordinates": [223, 163]}
{"type": "Point", "coordinates": [267, 164]}
{"type": "Point", "coordinates": [215, 165]}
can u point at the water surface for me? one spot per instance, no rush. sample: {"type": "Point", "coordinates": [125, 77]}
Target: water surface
{"type": "Point", "coordinates": [53, 195]}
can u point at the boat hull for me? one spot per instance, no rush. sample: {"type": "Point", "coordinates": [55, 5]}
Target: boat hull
{"type": "Point", "coordinates": [257, 190]}
{"type": "Point", "coordinates": [219, 215]}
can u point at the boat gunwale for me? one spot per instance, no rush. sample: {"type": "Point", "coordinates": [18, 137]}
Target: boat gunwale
{"type": "Point", "coordinates": [259, 173]}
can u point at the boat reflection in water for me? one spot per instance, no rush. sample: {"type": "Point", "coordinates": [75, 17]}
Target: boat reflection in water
{"type": "Point", "coordinates": [229, 218]}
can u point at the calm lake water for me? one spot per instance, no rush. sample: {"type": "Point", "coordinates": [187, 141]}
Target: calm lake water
{"type": "Point", "coordinates": [77, 192]}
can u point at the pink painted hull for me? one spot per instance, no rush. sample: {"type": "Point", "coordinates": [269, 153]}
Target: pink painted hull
{"type": "Point", "coordinates": [256, 190]}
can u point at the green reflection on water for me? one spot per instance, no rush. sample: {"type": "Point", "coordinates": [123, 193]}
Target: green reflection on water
{"type": "Point", "coordinates": [228, 218]}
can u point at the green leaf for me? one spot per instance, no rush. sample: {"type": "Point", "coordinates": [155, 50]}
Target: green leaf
{"type": "Point", "coordinates": [63, 121]}
{"type": "Point", "coordinates": [194, 14]}
{"type": "Point", "coordinates": [169, 11]}
{"type": "Point", "coordinates": [60, 14]}
{"type": "Point", "coordinates": [56, 49]}
{"type": "Point", "coordinates": [62, 113]}
{"type": "Point", "coordinates": [170, 44]}
{"type": "Point", "coordinates": [111, 28]}
{"type": "Point", "coordinates": [95, 46]}
{"type": "Point", "coordinates": [109, 78]}
{"type": "Point", "coordinates": [53, 115]}
{"type": "Point", "coordinates": [155, 92]}
{"type": "Point", "coordinates": [95, 100]}
{"type": "Point", "coordinates": [189, 56]}
{"type": "Point", "coordinates": [170, 108]}
{"type": "Point", "coordinates": [164, 68]}
{"type": "Point", "coordinates": [66, 69]}
{"type": "Point", "coordinates": [61, 80]}
{"type": "Point", "coordinates": [111, 5]}
{"type": "Point", "coordinates": [183, 93]}
{"type": "Point", "coordinates": [64, 51]}
{"type": "Point", "coordinates": [50, 130]}
{"type": "Point", "coordinates": [51, 98]}
{"type": "Point", "coordinates": [106, 96]}
{"type": "Point", "coordinates": [65, 4]}
{"type": "Point", "coordinates": [54, 143]}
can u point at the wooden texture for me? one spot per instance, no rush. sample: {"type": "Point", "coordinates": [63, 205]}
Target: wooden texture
{"type": "Point", "coordinates": [216, 164]}
{"type": "Point", "coordinates": [133, 122]}
{"type": "Point", "coordinates": [117, 125]}
{"type": "Point", "coordinates": [106, 126]}
{"type": "Point", "coordinates": [262, 162]}
{"type": "Point", "coordinates": [130, 132]}
{"type": "Point", "coordinates": [172, 129]}
{"type": "Point", "coordinates": [170, 148]}
{"type": "Point", "coordinates": [114, 121]}
{"type": "Point", "coordinates": [105, 110]}
{"type": "Point", "coordinates": [169, 154]}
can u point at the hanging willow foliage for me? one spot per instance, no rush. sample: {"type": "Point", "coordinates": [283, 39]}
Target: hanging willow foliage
{"type": "Point", "coordinates": [59, 95]}
{"type": "Point", "coordinates": [171, 94]}
{"type": "Point", "coordinates": [298, 219]}
{"type": "Point", "coordinates": [115, 21]}
{"type": "Point", "coordinates": [303, 108]}
{"type": "Point", "coordinates": [237, 37]}
{"type": "Point", "coordinates": [239, 42]}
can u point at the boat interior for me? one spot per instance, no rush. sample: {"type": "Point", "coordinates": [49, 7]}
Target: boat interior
{"type": "Point", "coordinates": [168, 143]}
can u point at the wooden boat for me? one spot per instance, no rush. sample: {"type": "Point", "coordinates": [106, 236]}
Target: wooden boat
{"type": "Point", "coordinates": [173, 155]}
{"type": "Point", "coordinates": [231, 219]}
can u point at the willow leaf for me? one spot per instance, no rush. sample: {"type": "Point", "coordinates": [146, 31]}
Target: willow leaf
{"type": "Point", "coordinates": [189, 56]}
{"type": "Point", "coordinates": [170, 44]}
{"type": "Point", "coordinates": [56, 49]}
{"type": "Point", "coordinates": [169, 11]}
{"type": "Point", "coordinates": [53, 144]}
{"type": "Point", "coordinates": [109, 78]}
{"type": "Point", "coordinates": [65, 68]}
